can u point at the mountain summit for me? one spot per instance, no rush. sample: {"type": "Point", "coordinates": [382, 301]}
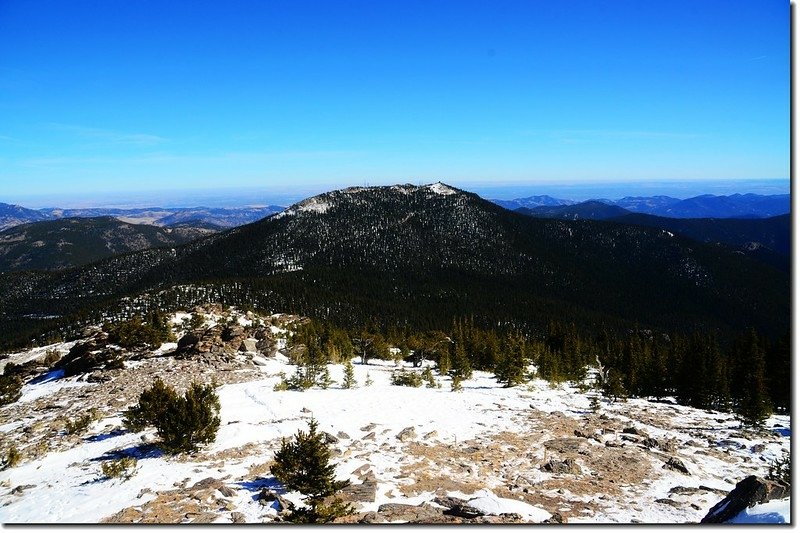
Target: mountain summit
{"type": "Point", "coordinates": [425, 254]}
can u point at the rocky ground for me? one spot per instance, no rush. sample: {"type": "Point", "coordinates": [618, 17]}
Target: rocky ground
{"type": "Point", "coordinates": [486, 454]}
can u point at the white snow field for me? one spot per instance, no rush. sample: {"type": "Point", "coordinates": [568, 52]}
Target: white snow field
{"type": "Point", "coordinates": [485, 444]}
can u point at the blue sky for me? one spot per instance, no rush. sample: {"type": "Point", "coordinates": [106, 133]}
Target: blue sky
{"type": "Point", "coordinates": [115, 96]}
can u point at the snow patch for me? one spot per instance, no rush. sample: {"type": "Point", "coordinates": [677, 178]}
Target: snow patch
{"type": "Point", "coordinates": [772, 512]}
{"type": "Point", "coordinates": [486, 502]}
{"type": "Point", "coordinates": [441, 188]}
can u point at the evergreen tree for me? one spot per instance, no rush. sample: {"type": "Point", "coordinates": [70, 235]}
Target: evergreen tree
{"type": "Point", "coordinates": [153, 404]}
{"type": "Point", "coordinates": [303, 464]}
{"type": "Point", "coordinates": [191, 420]}
{"type": "Point", "coordinates": [753, 400]}
{"type": "Point", "coordinates": [510, 368]}
{"type": "Point", "coordinates": [443, 363]}
{"type": "Point", "coordinates": [614, 387]}
{"type": "Point", "coordinates": [460, 364]}
{"type": "Point", "coordinates": [183, 422]}
{"type": "Point", "coordinates": [10, 389]}
{"type": "Point", "coordinates": [427, 376]}
{"type": "Point", "coordinates": [779, 373]}
{"type": "Point", "coordinates": [312, 370]}
{"type": "Point", "coordinates": [349, 376]}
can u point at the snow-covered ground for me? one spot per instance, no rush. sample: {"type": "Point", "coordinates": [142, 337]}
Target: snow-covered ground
{"type": "Point", "coordinates": [484, 443]}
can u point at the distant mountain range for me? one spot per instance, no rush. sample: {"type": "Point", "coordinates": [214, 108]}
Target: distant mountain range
{"type": "Point", "coordinates": [532, 201]}
{"type": "Point", "coordinates": [13, 215]}
{"type": "Point", "coordinates": [704, 206]}
{"type": "Point", "coordinates": [424, 255]}
{"type": "Point", "coordinates": [766, 239]}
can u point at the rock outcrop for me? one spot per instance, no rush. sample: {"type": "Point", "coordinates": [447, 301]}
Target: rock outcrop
{"type": "Point", "coordinates": [748, 492]}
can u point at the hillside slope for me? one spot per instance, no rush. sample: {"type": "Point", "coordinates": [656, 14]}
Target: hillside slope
{"type": "Point", "coordinates": [70, 242]}
{"type": "Point", "coordinates": [378, 253]}
{"type": "Point", "coordinates": [537, 450]}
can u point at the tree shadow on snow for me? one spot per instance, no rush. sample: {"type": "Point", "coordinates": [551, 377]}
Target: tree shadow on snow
{"type": "Point", "coordinates": [103, 436]}
{"type": "Point", "coordinates": [255, 486]}
{"type": "Point", "coordinates": [47, 377]}
{"type": "Point", "coordinates": [141, 451]}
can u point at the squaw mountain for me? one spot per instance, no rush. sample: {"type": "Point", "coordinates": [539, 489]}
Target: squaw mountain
{"type": "Point", "coordinates": [421, 255]}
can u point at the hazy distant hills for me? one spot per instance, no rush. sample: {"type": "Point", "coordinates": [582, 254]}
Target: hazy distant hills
{"type": "Point", "coordinates": [590, 210]}
{"type": "Point", "coordinates": [422, 255]}
{"type": "Point", "coordinates": [12, 215]}
{"type": "Point", "coordinates": [766, 239]}
{"type": "Point", "coordinates": [69, 242]}
{"type": "Point", "coordinates": [532, 201]}
{"type": "Point", "coordinates": [704, 206]}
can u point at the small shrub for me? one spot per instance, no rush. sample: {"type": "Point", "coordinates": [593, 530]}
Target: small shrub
{"type": "Point", "coordinates": [12, 458]}
{"type": "Point", "coordinates": [283, 384]}
{"type": "Point", "coordinates": [303, 464]}
{"type": "Point", "coordinates": [456, 384]}
{"type": "Point", "coordinates": [51, 357]}
{"type": "Point", "coordinates": [368, 381]}
{"type": "Point", "coordinates": [79, 425]}
{"type": "Point", "coordinates": [406, 379]}
{"type": "Point", "coordinates": [135, 333]}
{"type": "Point", "coordinates": [594, 403]}
{"type": "Point", "coordinates": [153, 403]}
{"type": "Point", "coordinates": [120, 468]}
{"type": "Point", "coordinates": [10, 389]}
{"type": "Point", "coordinates": [427, 376]}
{"type": "Point", "coordinates": [349, 381]}
{"type": "Point", "coordinates": [183, 422]}
{"type": "Point", "coordinates": [780, 469]}
{"type": "Point", "coordinates": [324, 379]}
{"type": "Point", "coordinates": [190, 420]}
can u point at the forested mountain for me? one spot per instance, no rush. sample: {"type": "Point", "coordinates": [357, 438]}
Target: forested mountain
{"type": "Point", "coordinates": [733, 206]}
{"type": "Point", "coordinates": [591, 210]}
{"type": "Point", "coordinates": [69, 242]}
{"type": "Point", "coordinates": [768, 239]}
{"type": "Point", "coordinates": [423, 255]}
{"type": "Point", "coordinates": [765, 239]}
{"type": "Point", "coordinates": [644, 204]}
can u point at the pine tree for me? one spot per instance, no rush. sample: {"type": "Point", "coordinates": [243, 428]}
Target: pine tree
{"type": "Point", "coordinates": [510, 368]}
{"type": "Point", "coordinates": [349, 376]}
{"type": "Point", "coordinates": [613, 387]}
{"type": "Point", "coordinates": [427, 376]}
{"type": "Point", "coordinates": [303, 464]}
{"type": "Point", "coordinates": [153, 403]}
{"type": "Point", "coordinates": [594, 404]}
{"type": "Point", "coordinates": [753, 401]}
{"type": "Point", "coordinates": [443, 364]}
{"type": "Point", "coordinates": [10, 389]}
{"type": "Point", "coordinates": [191, 420]}
{"type": "Point", "coordinates": [312, 370]}
{"type": "Point", "coordinates": [460, 364]}
{"type": "Point", "coordinates": [183, 422]}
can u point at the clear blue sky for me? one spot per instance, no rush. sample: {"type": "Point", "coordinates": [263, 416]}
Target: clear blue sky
{"type": "Point", "coordinates": [115, 95]}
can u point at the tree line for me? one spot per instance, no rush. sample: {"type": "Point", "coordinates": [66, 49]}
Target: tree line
{"type": "Point", "coordinates": [748, 375]}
